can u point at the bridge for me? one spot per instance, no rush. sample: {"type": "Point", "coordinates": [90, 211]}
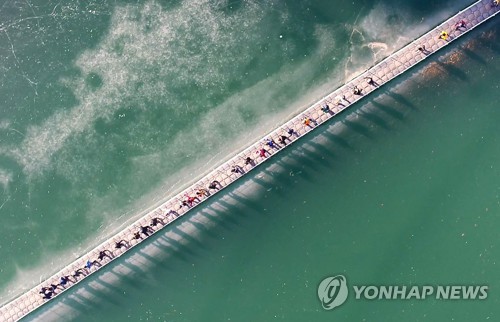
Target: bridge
{"type": "Point", "coordinates": [247, 160]}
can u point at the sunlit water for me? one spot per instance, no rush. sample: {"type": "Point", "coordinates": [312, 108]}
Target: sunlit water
{"type": "Point", "coordinates": [109, 108]}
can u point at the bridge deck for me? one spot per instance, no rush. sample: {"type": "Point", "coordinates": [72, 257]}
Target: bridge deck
{"type": "Point", "coordinates": [338, 100]}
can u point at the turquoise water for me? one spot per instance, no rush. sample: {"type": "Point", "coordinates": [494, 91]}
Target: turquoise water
{"type": "Point", "coordinates": [107, 105]}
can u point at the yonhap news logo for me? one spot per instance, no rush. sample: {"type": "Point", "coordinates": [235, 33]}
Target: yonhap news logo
{"type": "Point", "coordinates": [333, 292]}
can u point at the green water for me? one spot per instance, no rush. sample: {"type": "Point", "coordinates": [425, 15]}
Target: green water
{"type": "Point", "coordinates": [107, 105]}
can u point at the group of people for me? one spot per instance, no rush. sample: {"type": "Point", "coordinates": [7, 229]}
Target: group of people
{"type": "Point", "coordinates": [190, 201]}
{"type": "Point", "coordinates": [145, 231]}
{"type": "Point", "coordinates": [48, 292]}
{"type": "Point", "coordinates": [283, 140]}
{"type": "Point", "coordinates": [341, 101]}
{"type": "Point", "coordinates": [459, 26]}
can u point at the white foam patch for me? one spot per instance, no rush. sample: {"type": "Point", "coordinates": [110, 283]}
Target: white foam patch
{"type": "Point", "coordinates": [219, 132]}
{"type": "Point", "coordinates": [26, 278]}
{"type": "Point", "coordinates": [148, 54]}
{"type": "Point", "coordinates": [6, 178]}
{"type": "Point", "coordinates": [4, 124]}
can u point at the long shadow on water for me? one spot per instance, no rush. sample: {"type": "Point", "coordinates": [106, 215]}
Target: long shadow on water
{"type": "Point", "coordinates": [77, 302]}
{"type": "Point", "coordinates": [474, 56]}
{"type": "Point", "coordinates": [150, 258]}
{"type": "Point", "coordinates": [100, 297]}
{"type": "Point", "coordinates": [388, 110]}
{"type": "Point", "coordinates": [454, 71]}
{"type": "Point", "coordinates": [116, 291]}
{"type": "Point", "coordinates": [311, 159]}
{"type": "Point", "coordinates": [372, 117]}
{"type": "Point", "coordinates": [338, 140]}
{"type": "Point", "coordinates": [179, 250]}
{"type": "Point", "coordinates": [323, 151]}
{"type": "Point", "coordinates": [228, 225]}
{"type": "Point", "coordinates": [201, 227]}
{"type": "Point", "coordinates": [359, 128]}
{"type": "Point", "coordinates": [249, 203]}
{"type": "Point", "coordinates": [490, 39]}
{"type": "Point", "coordinates": [223, 214]}
{"type": "Point", "coordinates": [188, 237]}
{"type": "Point", "coordinates": [401, 99]}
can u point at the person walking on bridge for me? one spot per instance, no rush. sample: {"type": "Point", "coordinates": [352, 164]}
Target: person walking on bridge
{"type": "Point", "coordinates": [444, 35]}
{"type": "Point", "coordinates": [105, 253]}
{"type": "Point", "coordinates": [262, 152]}
{"type": "Point", "coordinates": [461, 24]}
{"type": "Point", "coordinates": [214, 185]}
{"type": "Point", "coordinates": [121, 243]}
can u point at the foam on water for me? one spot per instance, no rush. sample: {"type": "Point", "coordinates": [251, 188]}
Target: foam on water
{"type": "Point", "coordinates": [5, 178]}
{"type": "Point", "coordinates": [137, 64]}
{"type": "Point", "coordinates": [218, 134]}
{"type": "Point", "coordinates": [25, 278]}
{"type": "Point", "coordinates": [4, 124]}
{"type": "Point", "coordinates": [148, 54]}
{"type": "Point", "coordinates": [387, 28]}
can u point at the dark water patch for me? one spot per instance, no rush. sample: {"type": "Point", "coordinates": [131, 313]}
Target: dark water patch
{"type": "Point", "coordinates": [10, 165]}
{"type": "Point", "coordinates": [490, 43]}
{"type": "Point", "coordinates": [227, 6]}
{"type": "Point", "coordinates": [10, 136]}
{"type": "Point", "coordinates": [94, 81]}
{"type": "Point", "coordinates": [168, 4]}
{"type": "Point", "coordinates": [25, 231]}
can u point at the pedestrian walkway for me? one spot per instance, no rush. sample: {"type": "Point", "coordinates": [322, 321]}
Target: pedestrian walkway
{"type": "Point", "coordinates": [245, 161]}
